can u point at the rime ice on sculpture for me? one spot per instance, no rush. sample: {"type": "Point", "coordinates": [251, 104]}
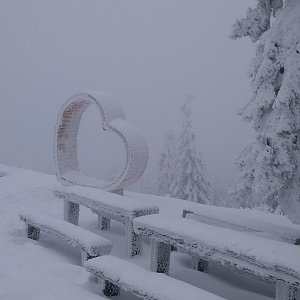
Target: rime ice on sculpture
{"type": "Point", "coordinates": [65, 146]}
{"type": "Point", "coordinates": [113, 120]}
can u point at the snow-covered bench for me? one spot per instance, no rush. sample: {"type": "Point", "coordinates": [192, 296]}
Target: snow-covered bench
{"type": "Point", "coordinates": [269, 260]}
{"type": "Point", "coordinates": [252, 221]}
{"type": "Point", "coordinates": [114, 273]}
{"type": "Point", "coordinates": [276, 226]}
{"type": "Point", "coordinates": [91, 244]}
{"type": "Point", "coordinates": [107, 206]}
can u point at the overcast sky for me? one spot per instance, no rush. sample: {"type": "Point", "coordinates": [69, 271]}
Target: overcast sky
{"type": "Point", "coordinates": [149, 54]}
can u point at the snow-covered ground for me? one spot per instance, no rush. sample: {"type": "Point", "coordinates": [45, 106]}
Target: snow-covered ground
{"type": "Point", "coordinates": [49, 269]}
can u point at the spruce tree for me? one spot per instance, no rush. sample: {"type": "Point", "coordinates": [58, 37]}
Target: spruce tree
{"type": "Point", "coordinates": [167, 165]}
{"type": "Point", "coordinates": [190, 182]}
{"type": "Point", "coordinates": [270, 165]}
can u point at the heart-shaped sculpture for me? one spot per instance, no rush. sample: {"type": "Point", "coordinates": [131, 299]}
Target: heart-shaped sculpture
{"type": "Point", "coordinates": [113, 120]}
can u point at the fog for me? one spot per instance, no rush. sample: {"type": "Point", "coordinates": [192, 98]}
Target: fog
{"type": "Point", "coordinates": [148, 54]}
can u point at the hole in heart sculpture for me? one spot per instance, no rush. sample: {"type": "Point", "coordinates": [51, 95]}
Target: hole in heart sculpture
{"type": "Point", "coordinates": [100, 153]}
{"type": "Point", "coordinates": [113, 123]}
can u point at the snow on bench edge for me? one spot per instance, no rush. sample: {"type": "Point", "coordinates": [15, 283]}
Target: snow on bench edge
{"type": "Point", "coordinates": [254, 219]}
{"type": "Point", "coordinates": [72, 234]}
{"type": "Point", "coordinates": [97, 198]}
{"type": "Point", "coordinates": [248, 222]}
{"type": "Point", "coordinates": [273, 254]}
{"type": "Point", "coordinates": [134, 278]}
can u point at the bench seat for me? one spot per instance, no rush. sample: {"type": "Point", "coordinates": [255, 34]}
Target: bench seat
{"type": "Point", "coordinates": [118, 273]}
{"type": "Point", "coordinates": [91, 244]}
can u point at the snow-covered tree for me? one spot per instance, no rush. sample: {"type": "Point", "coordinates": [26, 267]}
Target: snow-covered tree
{"type": "Point", "coordinates": [257, 20]}
{"type": "Point", "coordinates": [190, 182]}
{"type": "Point", "coordinates": [270, 165]}
{"type": "Point", "coordinates": [167, 165]}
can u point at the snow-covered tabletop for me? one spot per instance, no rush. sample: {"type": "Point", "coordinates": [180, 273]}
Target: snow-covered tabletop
{"type": "Point", "coordinates": [263, 258]}
{"type": "Point", "coordinates": [260, 223]}
{"type": "Point", "coordinates": [105, 202]}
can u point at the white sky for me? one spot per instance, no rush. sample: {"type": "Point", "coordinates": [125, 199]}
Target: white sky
{"type": "Point", "coordinates": [147, 54]}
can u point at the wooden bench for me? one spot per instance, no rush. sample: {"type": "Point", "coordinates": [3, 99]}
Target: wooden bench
{"type": "Point", "coordinates": [265, 259]}
{"type": "Point", "coordinates": [251, 221]}
{"type": "Point", "coordinates": [259, 223]}
{"type": "Point", "coordinates": [114, 273]}
{"type": "Point", "coordinates": [107, 206]}
{"type": "Point", "coordinates": [246, 221]}
{"type": "Point", "coordinates": [91, 244]}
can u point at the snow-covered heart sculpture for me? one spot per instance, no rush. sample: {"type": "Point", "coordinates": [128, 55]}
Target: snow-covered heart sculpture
{"type": "Point", "coordinates": [113, 120]}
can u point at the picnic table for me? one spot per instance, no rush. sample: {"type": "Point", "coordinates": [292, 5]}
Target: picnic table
{"type": "Point", "coordinates": [268, 260]}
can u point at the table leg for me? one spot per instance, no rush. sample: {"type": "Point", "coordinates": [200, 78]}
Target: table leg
{"type": "Point", "coordinates": [160, 257]}
{"type": "Point", "coordinates": [71, 212]}
{"type": "Point", "coordinates": [285, 291]}
{"type": "Point", "coordinates": [103, 223]}
{"type": "Point", "coordinates": [199, 264]}
{"type": "Point", "coordinates": [134, 241]}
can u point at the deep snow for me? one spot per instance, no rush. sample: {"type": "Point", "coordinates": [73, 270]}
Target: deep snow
{"type": "Point", "coordinates": [49, 269]}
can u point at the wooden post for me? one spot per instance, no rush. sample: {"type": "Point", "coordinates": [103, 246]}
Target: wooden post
{"type": "Point", "coordinates": [71, 212]}
{"type": "Point", "coordinates": [160, 257]}
{"type": "Point", "coordinates": [134, 241]}
{"type": "Point", "coordinates": [33, 232]}
{"type": "Point", "coordinates": [285, 291]}
{"type": "Point", "coordinates": [199, 264]}
{"type": "Point", "coordinates": [110, 289]}
{"type": "Point", "coordinates": [103, 223]}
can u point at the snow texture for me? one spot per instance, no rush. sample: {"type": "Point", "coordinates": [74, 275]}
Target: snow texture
{"type": "Point", "coordinates": [167, 166]}
{"type": "Point", "coordinates": [264, 224]}
{"type": "Point", "coordinates": [190, 181]}
{"type": "Point", "coordinates": [50, 269]}
{"type": "Point", "coordinates": [102, 202]}
{"type": "Point", "coordinates": [243, 221]}
{"type": "Point", "coordinates": [257, 20]}
{"type": "Point", "coordinates": [160, 257]}
{"type": "Point", "coordinates": [269, 166]}
{"type": "Point", "coordinates": [113, 120]}
{"type": "Point", "coordinates": [88, 242]}
{"type": "Point", "coordinates": [108, 206]}
{"type": "Point", "coordinates": [143, 283]}
{"type": "Point", "coordinates": [265, 259]}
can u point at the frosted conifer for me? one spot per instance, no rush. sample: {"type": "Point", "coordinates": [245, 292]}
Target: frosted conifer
{"type": "Point", "coordinates": [257, 20]}
{"type": "Point", "coordinates": [167, 165]}
{"type": "Point", "coordinates": [190, 181]}
{"type": "Point", "coordinates": [270, 165]}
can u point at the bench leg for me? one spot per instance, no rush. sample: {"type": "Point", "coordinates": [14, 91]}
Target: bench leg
{"type": "Point", "coordinates": [285, 292]}
{"type": "Point", "coordinates": [103, 223]}
{"type": "Point", "coordinates": [173, 248]}
{"type": "Point", "coordinates": [160, 257]}
{"type": "Point", "coordinates": [110, 289]}
{"type": "Point", "coordinates": [71, 212]}
{"type": "Point", "coordinates": [134, 241]}
{"type": "Point", "coordinates": [33, 232]}
{"type": "Point", "coordinates": [199, 264]}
